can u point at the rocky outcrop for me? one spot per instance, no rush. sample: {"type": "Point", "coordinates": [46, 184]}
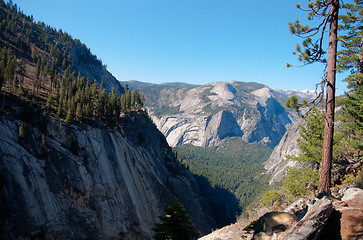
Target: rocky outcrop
{"type": "Point", "coordinates": [205, 115]}
{"type": "Point", "coordinates": [319, 219]}
{"type": "Point", "coordinates": [90, 67]}
{"type": "Point", "coordinates": [90, 182]}
{"type": "Point", "coordinates": [312, 224]}
{"type": "Point", "coordinates": [271, 223]}
{"type": "Point", "coordinates": [350, 213]}
{"type": "Point", "coordinates": [331, 218]}
{"type": "Point", "coordinates": [278, 162]}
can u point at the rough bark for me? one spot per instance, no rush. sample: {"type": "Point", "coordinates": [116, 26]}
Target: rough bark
{"type": "Point", "coordinates": [360, 64]}
{"type": "Point", "coordinates": [325, 170]}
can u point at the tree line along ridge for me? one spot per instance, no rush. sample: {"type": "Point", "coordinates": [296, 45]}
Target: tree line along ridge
{"type": "Point", "coordinates": [35, 65]}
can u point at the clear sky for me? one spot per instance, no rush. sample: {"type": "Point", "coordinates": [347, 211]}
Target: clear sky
{"type": "Point", "coordinates": [192, 41]}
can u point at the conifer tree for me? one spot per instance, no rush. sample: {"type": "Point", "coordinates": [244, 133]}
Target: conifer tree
{"type": "Point", "coordinates": [37, 82]}
{"type": "Point", "coordinates": [136, 99]}
{"type": "Point", "coordinates": [175, 225]}
{"type": "Point", "coordinates": [2, 78]}
{"type": "Point", "coordinates": [10, 68]}
{"type": "Point", "coordinates": [43, 147]}
{"type": "Point", "coordinates": [311, 139]}
{"type": "Point", "coordinates": [86, 110]}
{"type": "Point", "coordinates": [313, 52]}
{"type": "Point", "coordinates": [352, 127]}
{"type": "Point", "coordinates": [297, 180]}
{"type": "Point", "coordinates": [134, 96]}
{"type": "Point", "coordinates": [128, 99]}
{"type": "Point", "coordinates": [21, 70]}
{"type": "Point", "coordinates": [351, 56]}
{"type": "Point", "coordinates": [68, 119]}
{"type": "Point", "coordinates": [79, 111]}
{"type": "Point", "coordinates": [94, 89]}
{"type": "Point", "coordinates": [21, 130]}
{"type": "Point", "coordinates": [49, 101]}
{"type": "Point", "coordinates": [123, 103]}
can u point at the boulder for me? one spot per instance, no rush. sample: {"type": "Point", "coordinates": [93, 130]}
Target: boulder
{"type": "Point", "coordinates": [312, 224]}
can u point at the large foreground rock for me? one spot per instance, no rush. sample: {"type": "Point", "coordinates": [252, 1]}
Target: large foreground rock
{"type": "Point", "coordinates": [326, 218]}
{"type": "Point", "coordinates": [313, 223]}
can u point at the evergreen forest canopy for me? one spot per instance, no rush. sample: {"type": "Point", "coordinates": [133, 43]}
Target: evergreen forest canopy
{"type": "Point", "coordinates": [36, 65]}
{"type": "Point", "coordinates": [233, 165]}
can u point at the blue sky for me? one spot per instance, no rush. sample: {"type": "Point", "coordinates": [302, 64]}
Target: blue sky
{"type": "Point", "coordinates": [193, 41]}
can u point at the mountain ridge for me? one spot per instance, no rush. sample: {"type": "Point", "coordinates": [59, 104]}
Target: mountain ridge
{"type": "Point", "coordinates": [204, 115]}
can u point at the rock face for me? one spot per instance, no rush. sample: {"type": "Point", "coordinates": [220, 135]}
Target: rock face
{"type": "Point", "coordinates": [90, 182]}
{"type": "Point", "coordinates": [205, 115]}
{"type": "Point", "coordinates": [351, 214]}
{"type": "Point", "coordinates": [92, 68]}
{"type": "Point", "coordinates": [278, 162]}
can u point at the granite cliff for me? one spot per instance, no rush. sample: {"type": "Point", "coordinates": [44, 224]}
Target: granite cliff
{"type": "Point", "coordinates": [89, 181]}
{"type": "Point", "coordinates": [278, 162]}
{"type": "Point", "coordinates": [205, 115]}
{"type": "Point", "coordinates": [89, 66]}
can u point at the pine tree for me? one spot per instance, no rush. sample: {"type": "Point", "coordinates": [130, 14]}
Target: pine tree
{"type": "Point", "coordinates": [128, 100]}
{"type": "Point", "coordinates": [10, 68]}
{"type": "Point", "coordinates": [298, 180]}
{"type": "Point", "coordinates": [21, 131]}
{"type": "Point", "coordinates": [43, 147]}
{"type": "Point", "coordinates": [134, 96]}
{"type": "Point", "coordinates": [79, 111]}
{"type": "Point", "coordinates": [87, 110]}
{"type": "Point", "coordinates": [123, 103]}
{"type": "Point", "coordinates": [68, 119]}
{"type": "Point", "coordinates": [175, 225]}
{"type": "Point", "coordinates": [313, 51]}
{"type": "Point", "coordinates": [49, 103]}
{"type": "Point", "coordinates": [60, 109]}
{"type": "Point", "coordinates": [2, 78]}
{"type": "Point", "coordinates": [21, 70]}
{"type": "Point", "coordinates": [352, 118]}
{"type": "Point", "coordinates": [351, 56]}
{"type": "Point", "coordinates": [94, 89]}
{"type": "Point", "coordinates": [311, 139]}
{"type": "Point", "coordinates": [136, 99]}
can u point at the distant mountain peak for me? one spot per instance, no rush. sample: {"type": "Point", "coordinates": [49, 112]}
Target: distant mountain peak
{"type": "Point", "coordinates": [264, 93]}
{"type": "Point", "coordinates": [204, 115]}
{"type": "Point", "coordinates": [304, 94]}
{"type": "Point", "coordinates": [223, 90]}
{"type": "Point", "coordinates": [307, 91]}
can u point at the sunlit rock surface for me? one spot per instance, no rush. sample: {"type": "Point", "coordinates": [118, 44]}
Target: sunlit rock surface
{"type": "Point", "coordinates": [205, 115]}
{"type": "Point", "coordinates": [278, 162]}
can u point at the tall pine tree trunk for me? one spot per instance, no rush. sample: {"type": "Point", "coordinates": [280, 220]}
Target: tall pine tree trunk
{"type": "Point", "coordinates": [326, 162]}
{"type": "Point", "coordinates": [360, 64]}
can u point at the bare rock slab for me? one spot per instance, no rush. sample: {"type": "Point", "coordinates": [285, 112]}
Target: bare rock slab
{"type": "Point", "coordinates": [311, 226]}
